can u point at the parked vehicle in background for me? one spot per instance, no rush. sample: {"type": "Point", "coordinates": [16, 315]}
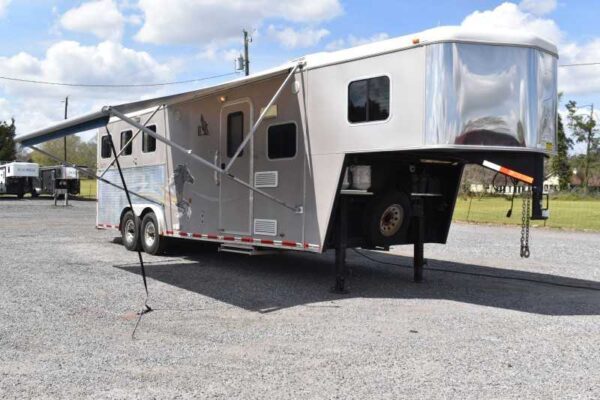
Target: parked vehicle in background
{"type": "Point", "coordinates": [58, 177]}
{"type": "Point", "coordinates": [17, 178]}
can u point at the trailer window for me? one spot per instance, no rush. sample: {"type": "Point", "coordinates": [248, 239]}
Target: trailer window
{"type": "Point", "coordinates": [126, 137]}
{"type": "Point", "coordinates": [105, 150]}
{"type": "Point", "coordinates": [235, 132]}
{"type": "Point", "coordinates": [281, 141]}
{"type": "Point", "coordinates": [148, 142]}
{"type": "Point", "coordinates": [369, 99]}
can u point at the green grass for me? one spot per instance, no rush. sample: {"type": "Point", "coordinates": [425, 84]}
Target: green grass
{"type": "Point", "coordinates": [88, 188]}
{"type": "Point", "coordinates": [568, 214]}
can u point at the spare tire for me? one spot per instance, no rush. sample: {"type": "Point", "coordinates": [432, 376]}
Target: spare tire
{"type": "Point", "coordinates": [387, 219]}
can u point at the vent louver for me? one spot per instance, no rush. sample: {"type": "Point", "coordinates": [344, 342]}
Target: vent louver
{"type": "Point", "coordinates": [266, 179]}
{"type": "Point", "coordinates": [266, 227]}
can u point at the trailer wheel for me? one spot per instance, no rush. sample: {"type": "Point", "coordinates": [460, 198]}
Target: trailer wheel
{"type": "Point", "coordinates": [130, 232]}
{"type": "Point", "coordinates": [152, 242]}
{"type": "Point", "coordinates": [387, 219]}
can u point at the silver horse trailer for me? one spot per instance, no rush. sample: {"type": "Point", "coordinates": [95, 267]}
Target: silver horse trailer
{"type": "Point", "coordinates": [18, 178]}
{"type": "Point", "coordinates": [362, 147]}
{"type": "Point", "coordinates": [59, 177]}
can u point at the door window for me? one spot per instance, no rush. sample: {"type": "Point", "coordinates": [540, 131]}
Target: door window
{"type": "Point", "coordinates": [235, 133]}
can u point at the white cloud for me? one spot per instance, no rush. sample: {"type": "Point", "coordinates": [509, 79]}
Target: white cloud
{"type": "Point", "coordinates": [510, 16]}
{"type": "Point", "coordinates": [101, 18]}
{"type": "Point", "coordinates": [573, 81]}
{"type": "Point", "coordinates": [3, 6]}
{"type": "Point", "coordinates": [291, 38]}
{"type": "Point", "coordinates": [538, 7]}
{"type": "Point", "coordinates": [218, 21]}
{"type": "Point", "coordinates": [351, 41]}
{"type": "Point", "coordinates": [213, 53]}
{"type": "Point", "coordinates": [35, 106]}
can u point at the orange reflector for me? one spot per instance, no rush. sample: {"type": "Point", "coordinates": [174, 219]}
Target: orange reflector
{"type": "Point", "coordinates": [508, 172]}
{"type": "Point", "coordinates": [415, 40]}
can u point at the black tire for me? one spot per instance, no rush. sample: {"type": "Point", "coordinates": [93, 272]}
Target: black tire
{"type": "Point", "coordinates": [130, 232]}
{"type": "Point", "coordinates": [20, 195]}
{"type": "Point", "coordinates": [387, 219]}
{"type": "Point", "coordinates": [152, 242]}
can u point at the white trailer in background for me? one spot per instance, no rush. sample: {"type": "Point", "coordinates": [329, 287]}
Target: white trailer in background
{"type": "Point", "coordinates": [362, 147]}
{"type": "Point", "coordinates": [18, 178]}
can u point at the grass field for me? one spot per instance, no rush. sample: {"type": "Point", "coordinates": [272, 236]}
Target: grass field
{"type": "Point", "coordinates": [569, 214]}
{"type": "Point", "coordinates": [88, 188]}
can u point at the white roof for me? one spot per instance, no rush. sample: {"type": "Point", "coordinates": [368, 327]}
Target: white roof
{"type": "Point", "coordinates": [435, 35]}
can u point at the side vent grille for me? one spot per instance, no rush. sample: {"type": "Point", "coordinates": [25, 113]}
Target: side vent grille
{"type": "Point", "coordinates": [266, 179]}
{"type": "Point", "coordinates": [266, 227]}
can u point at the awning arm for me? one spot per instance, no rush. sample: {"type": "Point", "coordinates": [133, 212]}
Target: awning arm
{"type": "Point", "coordinates": [188, 153]}
{"type": "Point", "coordinates": [130, 141]}
{"type": "Point", "coordinates": [262, 116]}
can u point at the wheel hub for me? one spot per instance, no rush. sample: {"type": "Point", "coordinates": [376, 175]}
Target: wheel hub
{"type": "Point", "coordinates": [130, 231]}
{"type": "Point", "coordinates": [391, 220]}
{"type": "Point", "coordinates": [149, 234]}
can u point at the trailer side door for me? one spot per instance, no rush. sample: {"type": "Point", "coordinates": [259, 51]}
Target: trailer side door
{"type": "Point", "coordinates": [235, 201]}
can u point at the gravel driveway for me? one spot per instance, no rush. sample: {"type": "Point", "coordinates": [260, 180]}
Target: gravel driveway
{"type": "Point", "coordinates": [484, 324]}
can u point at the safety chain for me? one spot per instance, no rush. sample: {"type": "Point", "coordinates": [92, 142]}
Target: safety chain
{"type": "Point", "coordinates": [525, 218]}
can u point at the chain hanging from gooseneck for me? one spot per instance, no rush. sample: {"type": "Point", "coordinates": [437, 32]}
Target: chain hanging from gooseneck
{"type": "Point", "coordinates": [525, 219]}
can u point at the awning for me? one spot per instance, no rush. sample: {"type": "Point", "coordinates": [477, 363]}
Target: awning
{"type": "Point", "coordinates": [101, 118]}
{"type": "Point", "coordinates": [69, 127]}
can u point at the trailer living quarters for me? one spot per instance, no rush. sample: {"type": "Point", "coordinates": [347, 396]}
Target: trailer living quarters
{"type": "Point", "coordinates": [362, 147]}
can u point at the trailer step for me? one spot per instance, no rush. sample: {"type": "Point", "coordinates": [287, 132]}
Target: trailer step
{"type": "Point", "coordinates": [243, 249]}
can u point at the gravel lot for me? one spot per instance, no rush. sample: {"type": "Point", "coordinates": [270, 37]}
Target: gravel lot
{"type": "Point", "coordinates": [230, 326]}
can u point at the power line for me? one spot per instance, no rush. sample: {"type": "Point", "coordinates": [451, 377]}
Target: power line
{"type": "Point", "coordinates": [579, 64]}
{"type": "Point", "coordinates": [125, 85]}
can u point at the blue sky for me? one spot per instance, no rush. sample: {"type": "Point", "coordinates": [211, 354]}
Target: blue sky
{"type": "Point", "coordinates": [140, 41]}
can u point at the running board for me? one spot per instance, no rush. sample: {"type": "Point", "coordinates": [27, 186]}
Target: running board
{"type": "Point", "coordinates": [244, 249]}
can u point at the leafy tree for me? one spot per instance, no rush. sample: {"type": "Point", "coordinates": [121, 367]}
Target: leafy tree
{"type": "Point", "coordinates": [79, 152]}
{"type": "Point", "coordinates": [560, 162]}
{"type": "Point", "coordinates": [8, 151]}
{"type": "Point", "coordinates": [585, 131]}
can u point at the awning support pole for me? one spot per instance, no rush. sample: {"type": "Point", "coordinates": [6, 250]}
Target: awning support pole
{"type": "Point", "coordinates": [188, 153]}
{"type": "Point", "coordinates": [130, 141]}
{"type": "Point", "coordinates": [92, 175]}
{"type": "Point", "coordinates": [146, 309]}
{"type": "Point", "coordinates": [262, 116]}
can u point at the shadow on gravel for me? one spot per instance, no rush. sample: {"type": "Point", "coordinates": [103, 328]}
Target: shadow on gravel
{"type": "Point", "coordinates": [268, 283]}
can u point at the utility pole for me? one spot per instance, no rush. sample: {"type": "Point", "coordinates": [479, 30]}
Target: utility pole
{"type": "Point", "coordinates": [588, 156]}
{"type": "Point", "coordinates": [65, 138]}
{"type": "Point", "coordinates": [247, 40]}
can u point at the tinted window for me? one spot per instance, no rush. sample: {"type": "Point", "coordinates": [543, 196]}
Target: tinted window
{"type": "Point", "coordinates": [148, 142]}
{"type": "Point", "coordinates": [369, 99]}
{"type": "Point", "coordinates": [281, 142]}
{"type": "Point", "coordinates": [105, 149]}
{"type": "Point", "coordinates": [126, 137]}
{"type": "Point", "coordinates": [235, 132]}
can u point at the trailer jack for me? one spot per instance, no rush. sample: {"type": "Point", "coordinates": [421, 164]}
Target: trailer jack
{"type": "Point", "coordinates": [341, 239]}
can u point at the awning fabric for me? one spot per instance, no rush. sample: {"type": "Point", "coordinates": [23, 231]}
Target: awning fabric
{"type": "Point", "coordinates": [101, 118]}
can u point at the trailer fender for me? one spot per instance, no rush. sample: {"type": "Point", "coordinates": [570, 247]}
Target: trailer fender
{"type": "Point", "coordinates": [141, 209]}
